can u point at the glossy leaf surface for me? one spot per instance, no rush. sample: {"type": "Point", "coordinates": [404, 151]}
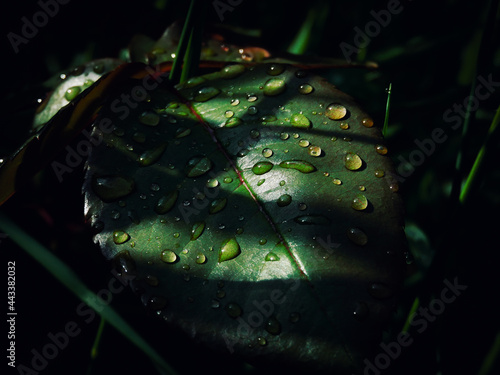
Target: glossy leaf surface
{"type": "Point", "coordinates": [255, 210]}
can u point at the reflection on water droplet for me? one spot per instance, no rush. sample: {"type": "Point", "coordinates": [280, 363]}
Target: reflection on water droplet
{"type": "Point", "coordinates": [357, 236]}
{"type": "Point", "coordinates": [312, 220]}
{"type": "Point", "coordinates": [168, 256]}
{"type": "Point", "coordinates": [262, 167]}
{"type": "Point", "coordinates": [212, 183]}
{"type": "Point", "coordinates": [336, 111]}
{"type": "Point", "coordinates": [275, 69]}
{"type": "Point", "coordinates": [300, 121]}
{"type": "Point", "coordinates": [206, 93]}
{"type": "Point", "coordinates": [359, 202]}
{"type": "Point", "coordinates": [120, 237]}
{"type": "Point", "coordinates": [151, 156]}
{"type": "Point", "coordinates": [284, 200]}
{"type": "Point", "coordinates": [214, 304]}
{"type": "Point", "coordinates": [304, 143]}
{"type": "Point", "coordinates": [284, 136]}
{"type": "Point", "coordinates": [273, 326]}
{"type": "Point", "coordinates": [233, 310]}
{"type": "Point", "coordinates": [394, 187]}
{"type": "Point", "coordinates": [261, 341]}
{"type": "Point", "coordinates": [267, 152]}
{"type": "Point", "coordinates": [352, 161]}
{"type": "Point", "coordinates": [149, 118]}
{"type": "Point", "coordinates": [381, 149]}
{"type": "Point", "coordinates": [217, 205]}
{"type": "Point", "coordinates": [201, 258]}
{"type": "Point", "coordinates": [262, 241]}
{"type": "Point", "coordinates": [274, 86]}
{"type": "Point", "coordinates": [305, 89]}
{"type": "Point", "coordinates": [198, 166]}
{"type": "Point", "coordinates": [314, 151]}
{"type": "Point", "coordinates": [110, 188]}
{"type": "Point", "coordinates": [360, 311]}
{"type": "Point", "coordinates": [380, 291]}
{"type": "Point", "coordinates": [166, 202]}
{"type": "Point", "coordinates": [344, 125]}
{"type": "Point", "coordinates": [300, 165]}
{"type": "Point", "coordinates": [252, 98]}
{"type": "Point", "coordinates": [379, 173]}
{"type": "Point", "coordinates": [197, 230]}
{"type": "Point", "coordinates": [72, 93]}
{"type": "Point", "coordinates": [272, 257]}
{"type": "Point", "coordinates": [228, 114]}
{"type": "Point", "coordinates": [368, 122]}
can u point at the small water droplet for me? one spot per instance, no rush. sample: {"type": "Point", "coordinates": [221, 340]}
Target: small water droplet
{"type": "Point", "coordinates": [380, 291]}
{"type": "Point", "coordinates": [274, 86]}
{"type": "Point", "coordinates": [273, 326]}
{"type": "Point", "coordinates": [304, 143]}
{"type": "Point", "coordinates": [394, 187]}
{"type": "Point", "coordinates": [267, 152]}
{"type": "Point", "coordinates": [166, 202]}
{"type": "Point", "coordinates": [72, 93]}
{"type": "Point", "coordinates": [359, 203]}
{"type": "Point", "coordinates": [360, 311]}
{"type": "Point", "coordinates": [228, 114]}
{"type": "Point", "coordinates": [305, 89]}
{"type": "Point", "coordinates": [149, 118]}
{"type": "Point", "coordinates": [300, 121]}
{"type": "Point", "coordinates": [344, 125]}
{"type": "Point", "coordinates": [252, 98]}
{"type": "Point", "coordinates": [233, 310]}
{"type": "Point", "coordinates": [262, 241]}
{"type": "Point", "coordinates": [268, 118]}
{"type": "Point", "coordinates": [337, 181]}
{"type": "Point", "coordinates": [282, 183]}
{"type": "Point", "coordinates": [275, 69]}
{"type": "Point", "coordinates": [357, 236]}
{"type": "Point", "coordinates": [214, 304]}
{"type": "Point", "coordinates": [367, 121]}
{"type": "Point", "coordinates": [284, 136]}
{"type": "Point", "coordinates": [233, 122]}
{"type": "Point", "coordinates": [198, 166]}
{"type": "Point", "coordinates": [261, 341]}
{"type": "Point", "coordinates": [168, 256]}
{"type": "Point", "coordinates": [235, 102]}
{"type": "Point", "coordinates": [197, 230]}
{"type": "Point", "coordinates": [151, 156]}
{"type": "Point", "coordinates": [284, 200]}
{"type": "Point", "coordinates": [252, 110]}
{"type": "Point", "coordinates": [139, 137]}
{"type": "Point", "coordinates": [336, 111]}
{"type": "Point", "coordinates": [381, 149]}
{"type": "Point", "coordinates": [217, 205]}
{"type": "Point", "coordinates": [120, 237]}
{"type": "Point", "coordinates": [227, 180]}
{"type": "Point", "coordinates": [212, 183]}
{"type": "Point", "coordinates": [261, 181]}
{"type": "Point", "coordinates": [379, 173]}
{"type": "Point", "coordinates": [272, 257]}
{"type": "Point", "coordinates": [113, 187]}
{"type": "Point", "coordinates": [299, 165]}
{"type": "Point", "coordinates": [206, 93]}
{"type": "Point", "coordinates": [352, 161]}
{"type": "Point", "coordinates": [312, 220]}
{"type": "Point", "coordinates": [232, 71]}
{"type": "Point", "coordinates": [182, 132]}
{"type": "Point", "coordinates": [262, 167]}
{"type": "Point", "coordinates": [201, 258]}
{"type": "Point", "coordinates": [314, 151]}
{"type": "Point", "coordinates": [302, 206]}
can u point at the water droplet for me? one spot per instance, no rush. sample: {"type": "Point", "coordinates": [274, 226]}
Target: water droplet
{"type": "Point", "coordinates": [300, 165]}
{"type": "Point", "coordinates": [274, 86]}
{"type": "Point", "coordinates": [151, 156]}
{"type": "Point", "coordinates": [273, 326]}
{"type": "Point", "coordinates": [284, 200]}
{"type": "Point", "coordinates": [394, 187]}
{"type": "Point", "coordinates": [182, 132]}
{"type": "Point", "coordinates": [228, 114]}
{"type": "Point", "coordinates": [212, 183]}
{"type": "Point", "coordinates": [220, 293]}
{"type": "Point", "coordinates": [300, 121]}
{"type": "Point", "coordinates": [294, 317]}
{"type": "Point", "coordinates": [337, 181]}
{"type": "Point", "coordinates": [262, 241]}
{"type": "Point", "coordinates": [359, 203]}
{"type": "Point", "coordinates": [254, 134]}
{"type": "Point", "coordinates": [198, 166]}
{"type": "Point", "coordinates": [197, 230]}
{"type": "Point", "coordinates": [267, 152]}
{"type": "Point", "coordinates": [206, 93]}
{"type": "Point", "coordinates": [232, 71]}
{"type": "Point", "coordinates": [344, 125]}
{"type": "Point", "coordinates": [275, 69]}
{"type": "Point", "coordinates": [360, 311]}
{"type": "Point", "coordinates": [379, 173]}
{"type": "Point", "coordinates": [120, 237]}
{"type": "Point", "coordinates": [252, 98]}
{"type": "Point", "coordinates": [233, 122]}
{"type": "Point", "coordinates": [155, 303]}
{"type": "Point", "coordinates": [304, 143]}
{"type": "Point", "coordinates": [302, 206]}
{"type": "Point", "coordinates": [305, 89]}
{"type": "Point", "coordinates": [214, 304]}
{"type": "Point", "coordinates": [262, 167]}
{"type": "Point", "coordinates": [235, 102]}
{"type": "Point", "coordinates": [227, 180]}
{"type": "Point", "coordinates": [72, 93]}
{"type": "Point", "coordinates": [110, 188]}
{"type": "Point", "coordinates": [367, 121]}
{"type": "Point", "coordinates": [139, 137]}
{"type": "Point", "coordinates": [268, 118]}
{"type": "Point", "coordinates": [233, 310]}
{"type": "Point", "coordinates": [149, 118]}
{"type": "Point", "coordinates": [357, 236]}
{"type": "Point", "coordinates": [168, 256]}
{"type": "Point", "coordinates": [261, 181]}
{"type": "Point", "coordinates": [362, 188]}
{"type": "Point", "coordinates": [272, 257]}
{"type": "Point", "coordinates": [282, 183]}
{"type": "Point", "coordinates": [284, 136]}
{"type": "Point", "coordinates": [201, 258]}
{"type": "Point", "coordinates": [217, 205]}
{"type": "Point", "coordinates": [380, 291]}
{"type": "Point", "coordinates": [312, 220]}
{"type": "Point", "coordinates": [382, 150]}
{"type": "Point", "coordinates": [261, 341]}
{"type": "Point", "coordinates": [352, 161]}
{"type": "Point", "coordinates": [336, 111]}
{"type": "Point", "coordinates": [252, 110]}
{"type": "Point", "coordinates": [314, 151]}
{"type": "Point", "coordinates": [166, 202]}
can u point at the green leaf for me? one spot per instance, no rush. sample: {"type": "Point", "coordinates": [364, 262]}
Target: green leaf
{"type": "Point", "coordinates": [266, 235]}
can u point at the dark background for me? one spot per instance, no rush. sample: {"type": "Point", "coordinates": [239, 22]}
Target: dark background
{"type": "Point", "coordinates": [428, 52]}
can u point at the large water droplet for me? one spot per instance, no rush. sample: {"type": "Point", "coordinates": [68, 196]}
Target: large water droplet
{"type": "Point", "coordinates": [284, 200]}
{"type": "Point", "coordinates": [197, 230]}
{"type": "Point", "coordinates": [72, 93]}
{"type": "Point", "coordinates": [314, 151]}
{"type": "Point", "coordinates": [232, 71]}
{"type": "Point", "coordinates": [120, 237]}
{"type": "Point", "coordinates": [262, 167]}
{"type": "Point", "coordinates": [300, 121]}
{"type": "Point", "coordinates": [166, 202]}
{"type": "Point", "coordinates": [206, 93]}
{"type": "Point", "coordinates": [201, 258]}
{"type": "Point", "coordinates": [352, 161]}
{"type": "Point", "coordinates": [229, 249]}
{"type": "Point", "coordinates": [151, 156]}
{"type": "Point", "coordinates": [274, 86]}
{"type": "Point", "coordinates": [359, 203]}
{"type": "Point", "coordinates": [233, 310]}
{"type": "Point", "coordinates": [312, 220]}
{"type": "Point", "coordinates": [273, 326]}
{"type": "Point", "coordinates": [110, 188]}
{"type": "Point", "coordinates": [217, 205]}
{"type": "Point", "coordinates": [198, 166]}
{"type": "Point", "coordinates": [168, 256]}
{"type": "Point", "coordinates": [336, 111]}
{"type": "Point", "coordinates": [300, 165]}
{"type": "Point", "coordinates": [357, 236]}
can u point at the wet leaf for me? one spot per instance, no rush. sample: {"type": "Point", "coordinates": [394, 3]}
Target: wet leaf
{"type": "Point", "coordinates": [261, 243]}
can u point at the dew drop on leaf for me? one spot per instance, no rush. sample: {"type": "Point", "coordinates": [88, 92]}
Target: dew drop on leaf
{"type": "Point", "coordinates": [367, 121]}
{"type": "Point", "coordinates": [304, 143]}
{"type": "Point", "coordinates": [212, 183]}
{"type": "Point", "coordinates": [198, 166]}
{"type": "Point", "coordinates": [359, 203]}
{"type": "Point", "coordinates": [274, 86]}
{"type": "Point", "coordinates": [149, 118]}
{"type": "Point", "coordinates": [305, 89]}
{"type": "Point", "coordinates": [271, 257]}
{"type": "Point", "coordinates": [284, 200]}
{"type": "Point", "coordinates": [379, 173]}
{"type": "Point", "coordinates": [314, 151]}
{"type": "Point", "coordinates": [166, 202]}
{"type": "Point", "coordinates": [217, 205]}
{"type": "Point", "coordinates": [206, 93]}
{"type": "Point", "coordinates": [300, 165]}
{"type": "Point", "coordinates": [275, 69]}
{"type": "Point", "coordinates": [300, 121]}
{"type": "Point", "coordinates": [312, 220]}
{"type": "Point", "coordinates": [360, 311]}
{"type": "Point", "coordinates": [201, 258]}
{"type": "Point", "coordinates": [357, 236]}
{"type": "Point", "coordinates": [336, 111]}
{"type": "Point", "coordinates": [232, 71]}
{"type": "Point", "coordinates": [267, 152]}
{"type": "Point", "coordinates": [381, 149]}
{"type": "Point", "coordinates": [197, 230]}
{"type": "Point", "coordinates": [110, 188]}
{"type": "Point", "coordinates": [352, 161]}
{"type": "Point", "coordinates": [233, 122]}
{"type": "Point", "coordinates": [120, 237]}
{"type": "Point", "coordinates": [151, 156]}
{"type": "Point", "coordinates": [72, 93]}
{"type": "Point", "coordinates": [233, 310]}
{"type": "Point", "coordinates": [337, 181]}
{"type": "Point", "coordinates": [273, 326]}
{"type": "Point", "coordinates": [262, 167]}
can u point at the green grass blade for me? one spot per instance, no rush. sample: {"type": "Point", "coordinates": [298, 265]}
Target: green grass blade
{"type": "Point", "coordinates": [491, 357]}
{"type": "Point", "coordinates": [315, 19]}
{"type": "Point", "coordinates": [413, 309]}
{"type": "Point", "coordinates": [70, 279]}
{"type": "Point", "coordinates": [387, 109]}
